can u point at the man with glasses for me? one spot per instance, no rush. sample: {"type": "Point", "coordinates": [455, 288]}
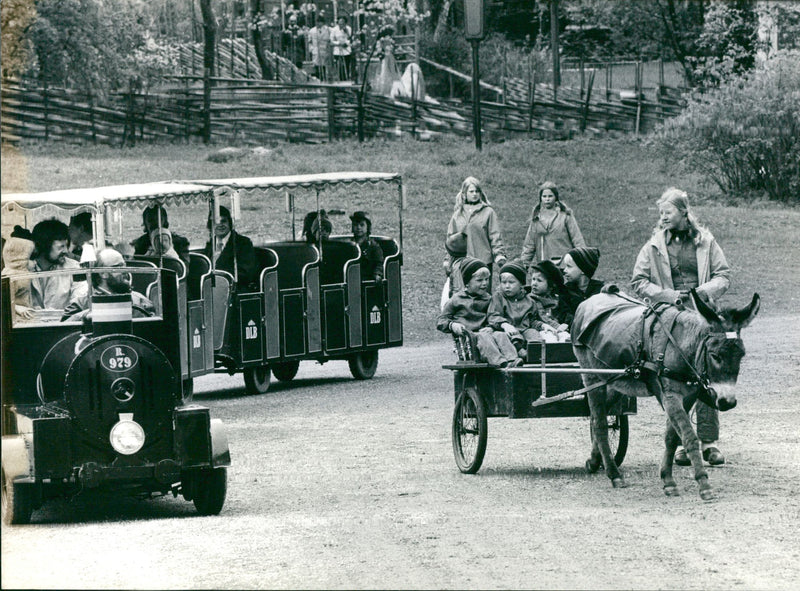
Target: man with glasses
{"type": "Point", "coordinates": [109, 283]}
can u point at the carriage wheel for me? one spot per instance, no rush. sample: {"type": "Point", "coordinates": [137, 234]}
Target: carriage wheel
{"type": "Point", "coordinates": [618, 437]}
{"type": "Point", "coordinates": [17, 501]}
{"type": "Point", "coordinates": [256, 379]}
{"type": "Point", "coordinates": [363, 365]}
{"type": "Point", "coordinates": [469, 431]}
{"type": "Point", "coordinates": [285, 372]}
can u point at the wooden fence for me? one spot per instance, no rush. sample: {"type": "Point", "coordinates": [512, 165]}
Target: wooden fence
{"type": "Point", "coordinates": [257, 111]}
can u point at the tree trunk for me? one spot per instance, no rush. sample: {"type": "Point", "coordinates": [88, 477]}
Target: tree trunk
{"type": "Point", "coordinates": [209, 35]}
{"type": "Point", "coordinates": [669, 18]}
{"type": "Point", "coordinates": [441, 24]}
{"type": "Point", "coordinates": [258, 43]}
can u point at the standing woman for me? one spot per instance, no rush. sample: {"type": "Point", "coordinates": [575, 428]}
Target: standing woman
{"type": "Point", "coordinates": [682, 255]}
{"type": "Point", "coordinates": [552, 231]}
{"type": "Point", "coordinates": [474, 216]}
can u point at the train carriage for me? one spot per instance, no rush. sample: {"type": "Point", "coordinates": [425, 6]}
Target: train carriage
{"type": "Point", "coordinates": [312, 301]}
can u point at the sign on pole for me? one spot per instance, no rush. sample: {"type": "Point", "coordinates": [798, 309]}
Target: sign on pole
{"type": "Point", "coordinates": [474, 19]}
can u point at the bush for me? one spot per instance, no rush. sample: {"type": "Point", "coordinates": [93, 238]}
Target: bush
{"type": "Point", "coordinates": [745, 134]}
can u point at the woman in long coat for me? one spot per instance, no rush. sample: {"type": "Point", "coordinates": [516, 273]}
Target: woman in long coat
{"type": "Point", "coordinates": [552, 230]}
{"type": "Point", "coordinates": [682, 255]}
{"type": "Point", "coordinates": [474, 216]}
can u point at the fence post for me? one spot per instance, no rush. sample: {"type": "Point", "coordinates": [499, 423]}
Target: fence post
{"type": "Point", "coordinates": [532, 102]}
{"type": "Point", "coordinates": [660, 78]}
{"type": "Point", "coordinates": [582, 74]}
{"type": "Point", "coordinates": [331, 100]}
{"type": "Point", "coordinates": [46, 114]}
{"type": "Point", "coordinates": [610, 83]}
{"type": "Point", "coordinates": [586, 103]}
{"type": "Point", "coordinates": [186, 122]}
{"type": "Point", "coordinates": [206, 105]}
{"type": "Point", "coordinates": [91, 118]}
{"type": "Point", "coordinates": [638, 86]}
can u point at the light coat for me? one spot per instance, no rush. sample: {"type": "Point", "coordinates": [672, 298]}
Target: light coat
{"type": "Point", "coordinates": [652, 276]}
{"type": "Point", "coordinates": [554, 240]}
{"type": "Point", "coordinates": [483, 233]}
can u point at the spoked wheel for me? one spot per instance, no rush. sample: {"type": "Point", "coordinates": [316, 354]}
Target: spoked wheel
{"type": "Point", "coordinates": [207, 489]}
{"type": "Point", "coordinates": [17, 502]}
{"type": "Point", "coordinates": [618, 437]}
{"type": "Point", "coordinates": [256, 379]}
{"type": "Point", "coordinates": [285, 372]}
{"type": "Point", "coordinates": [469, 431]}
{"type": "Point", "coordinates": [363, 365]}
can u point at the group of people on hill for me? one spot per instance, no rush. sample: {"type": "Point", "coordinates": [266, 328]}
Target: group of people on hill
{"type": "Point", "coordinates": [540, 290]}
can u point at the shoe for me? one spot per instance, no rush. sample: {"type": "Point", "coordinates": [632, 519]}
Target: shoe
{"type": "Point", "coordinates": [516, 362]}
{"type": "Point", "coordinates": [681, 459]}
{"type": "Point", "coordinates": [713, 456]}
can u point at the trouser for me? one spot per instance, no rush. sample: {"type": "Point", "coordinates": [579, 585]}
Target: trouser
{"type": "Point", "coordinates": [495, 347]}
{"type": "Point", "coordinates": [707, 422]}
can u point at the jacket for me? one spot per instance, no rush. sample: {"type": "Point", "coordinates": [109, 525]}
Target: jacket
{"type": "Point", "coordinates": [652, 275]}
{"type": "Point", "coordinates": [244, 259]}
{"type": "Point", "coordinates": [522, 313]}
{"type": "Point", "coordinates": [483, 233]}
{"type": "Point", "coordinates": [466, 308]}
{"type": "Point", "coordinates": [554, 240]}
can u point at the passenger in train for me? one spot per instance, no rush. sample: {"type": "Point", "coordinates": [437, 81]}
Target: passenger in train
{"type": "Point", "coordinates": [17, 253]}
{"type": "Point", "coordinates": [154, 217]}
{"type": "Point", "coordinates": [81, 247]}
{"type": "Point", "coordinates": [232, 252]}
{"type": "Point", "coordinates": [371, 253]}
{"type": "Point", "coordinates": [51, 238]}
{"type": "Point", "coordinates": [161, 244]}
{"type": "Point", "coordinates": [315, 230]}
{"type": "Point", "coordinates": [107, 283]}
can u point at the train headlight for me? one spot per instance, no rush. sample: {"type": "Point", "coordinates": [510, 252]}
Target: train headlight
{"type": "Point", "coordinates": [127, 436]}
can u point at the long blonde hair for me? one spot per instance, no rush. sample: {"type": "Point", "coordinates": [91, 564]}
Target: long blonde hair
{"type": "Point", "coordinates": [680, 200]}
{"type": "Point", "coordinates": [461, 197]}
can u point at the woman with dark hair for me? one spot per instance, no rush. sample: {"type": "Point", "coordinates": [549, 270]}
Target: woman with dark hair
{"type": "Point", "coordinates": [155, 217]}
{"type": "Point", "coordinates": [316, 226]}
{"type": "Point", "coordinates": [552, 230]}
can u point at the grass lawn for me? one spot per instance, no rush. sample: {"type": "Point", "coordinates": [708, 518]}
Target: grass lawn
{"type": "Point", "coordinates": [612, 186]}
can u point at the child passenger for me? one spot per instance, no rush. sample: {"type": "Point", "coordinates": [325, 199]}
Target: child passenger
{"type": "Point", "coordinates": [579, 266]}
{"type": "Point", "coordinates": [456, 247]}
{"type": "Point", "coordinates": [515, 312]}
{"type": "Point", "coordinates": [465, 315]}
{"type": "Point", "coordinates": [547, 283]}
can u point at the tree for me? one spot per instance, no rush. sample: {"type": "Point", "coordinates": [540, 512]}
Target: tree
{"type": "Point", "coordinates": [18, 17]}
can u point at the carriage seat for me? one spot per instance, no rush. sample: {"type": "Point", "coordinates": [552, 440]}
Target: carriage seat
{"type": "Point", "coordinates": [335, 254]}
{"type": "Point", "coordinates": [292, 257]}
{"type": "Point", "coordinates": [199, 267]}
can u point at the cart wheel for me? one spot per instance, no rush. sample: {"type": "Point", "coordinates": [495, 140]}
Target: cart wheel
{"type": "Point", "coordinates": [363, 365]}
{"type": "Point", "coordinates": [17, 502]}
{"type": "Point", "coordinates": [285, 372]}
{"type": "Point", "coordinates": [256, 379]}
{"type": "Point", "coordinates": [469, 431]}
{"type": "Point", "coordinates": [208, 489]}
{"type": "Point", "coordinates": [618, 437]}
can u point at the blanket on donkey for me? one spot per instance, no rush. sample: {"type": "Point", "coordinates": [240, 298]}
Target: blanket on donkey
{"type": "Point", "coordinates": [611, 328]}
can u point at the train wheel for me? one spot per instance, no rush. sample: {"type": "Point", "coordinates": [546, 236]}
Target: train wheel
{"type": "Point", "coordinates": [256, 379]}
{"type": "Point", "coordinates": [618, 437]}
{"type": "Point", "coordinates": [285, 372]}
{"type": "Point", "coordinates": [17, 502]}
{"type": "Point", "coordinates": [363, 365]}
{"type": "Point", "coordinates": [470, 431]}
{"type": "Point", "coordinates": [209, 488]}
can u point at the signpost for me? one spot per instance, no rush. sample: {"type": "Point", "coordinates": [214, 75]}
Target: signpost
{"type": "Point", "coordinates": [474, 31]}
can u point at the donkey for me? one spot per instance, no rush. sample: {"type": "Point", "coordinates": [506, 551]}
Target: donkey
{"type": "Point", "coordinates": [674, 354]}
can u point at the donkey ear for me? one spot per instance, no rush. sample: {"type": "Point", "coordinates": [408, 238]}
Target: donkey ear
{"type": "Point", "coordinates": [744, 316]}
{"type": "Point", "coordinates": [704, 308]}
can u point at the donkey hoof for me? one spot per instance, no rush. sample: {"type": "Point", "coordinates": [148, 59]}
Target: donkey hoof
{"type": "Point", "coordinates": [707, 494]}
{"type": "Point", "coordinates": [671, 491]}
{"type": "Point", "coordinates": [592, 467]}
{"type": "Point", "coordinates": [619, 483]}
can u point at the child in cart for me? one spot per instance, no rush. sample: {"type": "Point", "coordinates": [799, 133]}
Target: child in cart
{"type": "Point", "coordinates": [547, 286]}
{"type": "Point", "coordinates": [456, 247]}
{"type": "Point", "coordinates": [517, 313]}
{"type": "Point", "coordinates": [579, 266]}
{"type": "Point", "coordinates": [465, 314]}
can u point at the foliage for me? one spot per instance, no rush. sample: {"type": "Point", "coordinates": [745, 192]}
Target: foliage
{"type": "Point", "coordinates": [96, 46]}
{"type": "Point", "coordinates": [745, 134]}
{"type": "Point", "coordinates": [17, 18]}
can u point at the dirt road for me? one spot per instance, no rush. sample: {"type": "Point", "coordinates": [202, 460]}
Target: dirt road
{"type": "Point", "coordinates": [345, 484]}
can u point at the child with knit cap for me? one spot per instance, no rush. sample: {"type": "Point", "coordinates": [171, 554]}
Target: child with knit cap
{"type": "Point", "coordinates": [515, 312]}
{"type": "Point", "coordinates": [17, 257]}
{"type": "Point", "coordinates": [456, 247]}
{"type": "Point", "coordinates": [464, 315]}
{"type": "Point", "coordinates": [547, 286]}
{"type": "Point", "coordinates": [579, 266]}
